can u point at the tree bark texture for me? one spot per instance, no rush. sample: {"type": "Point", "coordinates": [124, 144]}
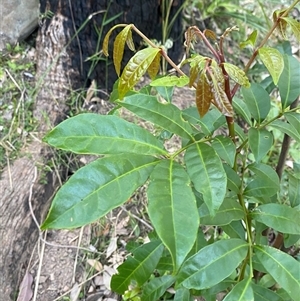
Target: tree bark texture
{"type": "Point", "coordinates": [63, 64]}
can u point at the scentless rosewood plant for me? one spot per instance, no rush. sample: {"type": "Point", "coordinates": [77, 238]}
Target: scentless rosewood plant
{"type": "Point", "coordinates": [235, 183]}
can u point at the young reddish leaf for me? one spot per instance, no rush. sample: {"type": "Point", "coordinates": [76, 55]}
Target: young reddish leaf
{"type": "Point", "coordinates": [197, 64]}
{"type": "Point", "coordinates": [106, 39]}
{"type": "Point", "coordinates": [154, 66]}
{"type": "Point", "coordinates": [220, 99]}
{"type": "Point", "coordinates": [250, 40]}
{"type": "Point", "coordinates": [203, 95]}
{"type": "Point", "coordinates": [135, 69]}
{"type": "Point", "coordinates": [237, 74]}
{"type": "Point", "coordinates": [210, 34]}
{"type": "Point", "coordinates": [295, 26]}
{"type": "Point", "coordinates": [119, 45]}
{"type": "Point", "coordinates": [273, 60]}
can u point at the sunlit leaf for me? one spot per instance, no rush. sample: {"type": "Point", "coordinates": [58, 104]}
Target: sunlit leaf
{"type": "Point", "coordinates": [288, 84]}
{"type": "Point", "coordinates": [237, 74]}
{"type": "Point", "coordinates": [203, 95]}
{"type": "Point", "coordinates": [165, 115]}
{"type": "Point", "coordinates": [130, 42]}
{"type": "Point", "coordinates": [96, 189]}
{"type": "Point", "coordinates": [203, 271]}
{"type": "Point", "coordinates": [119, 45]}
{"type": "Point", "coordinates": [175, 221]}
{"type": "Point", "coordinates": [154, 67]}
{"type": "Point", "coordinates": [103, 134]}
{"type": "Point", "coordinates": [273, 61]}
{"type": "Point", "coordinates": [251, 40]}
{"type": "Point", "coordinates": [241, 292]}
{"type": "Point", "coordinates": [138, 267]}
{"type": "Point", "coordinates": [282, 267]}
{"type": "Point", "coordinates": [135, 69]}
{"type": "Point", "coordinates": [197, 63]}
{"type": "Point", "coordinates": [279, 217]}
{"type": "Point", "coordinates": [106, 39]}
{"type": "Point", "coordinates": [260, 142]}
{"type": "Point", "coordinates": [295, 26]}
{"type": "Point", "coordinates": [257, 100]}
{"type": "Point", "coordinates": [170, 81]}
{"type": "Point", "coordinates": [156, 287]}
{"type": "Point", "coordinates": [207, 173]}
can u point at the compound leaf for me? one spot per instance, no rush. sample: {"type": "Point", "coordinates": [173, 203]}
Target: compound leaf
{"type": "Point", "coordinates": [203, 271]}
{"type": "Point", "coordinates": [135, 69]}
{"type": "Point", "coordinates": [206, 171]}
{"type": "Point", "coordinates": [282, 267]}
{"type": "Point", "coordinates": [279, 217]}
{"type": "Point", "coordinates": [106, 39]}
{"type": "Point", "coordinates": [273, 61]}
{"type": "Point", "coordinates": [96, 189]}
{"type": "Point", "coordinates": [237, 74]}
{"type": "Point", "coordinates": [138, 267]}
{"type": "Point", "coordinates": [260, 142]}
{"type": "Point", "coordinates": [103, 134]}
{"type": "Point", "coordinates": [165, 115]}
{"type": "Point", "coordinates": [172, 209]}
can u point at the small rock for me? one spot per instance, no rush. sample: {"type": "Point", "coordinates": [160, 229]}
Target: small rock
{"type": "Point", "coordinates": [43, 279]}
{"type": "Point", "coordinates": [91, 289]}
{"type": "Point", "coordinates": [95, 297]}
{"type": "Point", "coordinates": [98, 280]}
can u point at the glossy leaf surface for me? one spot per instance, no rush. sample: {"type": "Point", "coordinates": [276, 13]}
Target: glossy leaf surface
{"type": "Point", "coordinates": [167, 116]}
{"type": "Point", "coordinates": [138, 267]}
{"type": "Point", "coordinates": [203, 269]}
{"type": "Point", "coordinates": [96, 189]}
{"type": "Point", "coordinates": [225, 148]}
{"type": "Point", "coordinates": [288, 84]}
{"type": "Point", "coordinates": [183, 294]}
{"type": "Point", "coordinates": [263, 294]}
{"type": "Point", "coordinates": [282, 267]}
{"type": "Point", "coordinates": [156, 287]}
{"type": "Point", "coordinates": [281, 218]}
{"type": "Point", "coordinates": [135, 69]}
{"type": "Point", "coordinates": [273, 61]}
{"type": "Point", "coordinates": [241, 292]}
{"type": "Point", "coordinates": [260, 142]}
{"type": "Point", "coordinates": [257, 100]}
{"type": "Point", "coordinates": [172, 209]}
{"type": "Point", "coordinates": [103, 134]}
{"type": "Point", "coordinates": [207, 173]}
{"type": "Point", "coordinates": [204, 95]}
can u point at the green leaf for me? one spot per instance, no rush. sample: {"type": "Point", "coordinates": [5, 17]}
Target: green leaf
{"type": "Point", "coordinates": [295, 26]}
{"type": "Point", "coordinates": [241, 108]}
{"type": "Point", "coordinates": [172, 209]}
{"type": "Point", "coordinates": [282, 267]}
{"type": "Point", "coordinates": [183, 294]}
{"type": "Point", "coordinates": [234, 230]}
{"type": "Point", "coordinates": [237, 75]}
{"type": "Point", "coordinates": [103, 134]}
{"type": "Point", "coordinates": [209, 123]}
{"type": "Point", "coordinates": [251, 40]}
{"type": "Point", "coordinates": [260, 142]}
{"type": "Point", "coordinates": [265, 181]}
{"type": "Point", "coordinates": [203, 269]}
{"type": "Point", "coordinates": [288, 84]}
{"type": "Point", "coordinates": [286, 128]}
{"type": "Point", "coordinates": [119, 45]}
{"type": "Point", "coordinates": [241, 292]}
{"type": "Point", "coordinates": [294, 119]}
{"type": "Point", "coordinates": [294, 190]}
{"type": "Point", "coordinates": [171, 81]}
{"type": "Point", "coordinates": [165, 115]}
{"type": "Point", "coordinates": [233, 180]}
{"type": "Point", "coordinates": [138, 267]}
{"type": "Point", "coordinates": [257, 100]}
{"type": "Point", "coordinates": [225, 148]}
{"type": "Point", "coordinates": [165, 92]}
{"type": "Point", "coordinates": [106, 39]}
{"type": "Point", "coordinates": [207, 173]}
{"type": "Point", "coordinates": [273, 61]}
{"type": "Point", "coordinates": [229, 211]}
{"type": "Point", "coordinates": [135, 69]}
{"type": "Point", "coordinates": [156, 287]}
{"type": "Point", "coordinates": [96, 189]}
{"type": "Point", "coordinates": [279, 217]}
{"type": "Point", "coordinates": [263, 294]}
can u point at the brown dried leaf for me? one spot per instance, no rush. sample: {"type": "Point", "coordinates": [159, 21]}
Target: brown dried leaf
{"type": "Point", "coordinates": [26, 292]}
{"type": "Point", "coordinates": [90, 92]}
{"type": "Point", "coordinates": [95, 264]}
{"type": "Point", "coordinates": [204, 95]}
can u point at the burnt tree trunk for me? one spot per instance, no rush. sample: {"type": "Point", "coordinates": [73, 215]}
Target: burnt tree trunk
{"type": "Point", "coordinates": [62, 65]}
